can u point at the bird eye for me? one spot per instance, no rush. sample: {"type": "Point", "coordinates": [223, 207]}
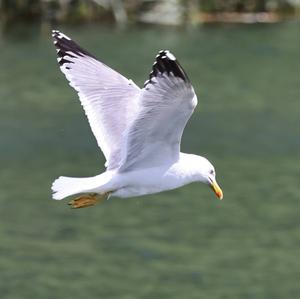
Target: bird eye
{"type": "Point", "coordinates": [212, 172]}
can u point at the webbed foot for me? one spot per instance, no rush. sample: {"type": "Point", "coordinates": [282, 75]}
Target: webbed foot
{"type": "Point", "coordinates": [87, 200]}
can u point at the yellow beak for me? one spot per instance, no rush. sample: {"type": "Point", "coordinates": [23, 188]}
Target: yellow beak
{"type": "Point", "coordinates": [214, 185]}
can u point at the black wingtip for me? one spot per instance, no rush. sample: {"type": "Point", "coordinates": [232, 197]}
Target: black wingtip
{"type": "Point", "coordinates": [66, 47]}
{"type": "Point", "coordinates": [166, 62]}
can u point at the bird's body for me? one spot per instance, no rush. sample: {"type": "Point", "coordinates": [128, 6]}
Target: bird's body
{"type": "Point", "coordinates": [158, 179]}
{"type": "Point", "coordinates": [129, 183]}
{"type": "Point", "coordinates": [138, 130]}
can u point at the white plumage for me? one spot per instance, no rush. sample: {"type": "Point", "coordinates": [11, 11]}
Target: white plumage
{"type": "Point", "coordinates": [138, 130]}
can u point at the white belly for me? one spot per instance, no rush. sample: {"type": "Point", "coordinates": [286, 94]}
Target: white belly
{"type": "Point", "coordinates": [132, 191]}
{"type": "Point", "coordinates": [149, 181]}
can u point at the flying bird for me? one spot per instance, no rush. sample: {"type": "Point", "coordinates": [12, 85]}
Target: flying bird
{"type": "Point", "coordinates": [138, 129]}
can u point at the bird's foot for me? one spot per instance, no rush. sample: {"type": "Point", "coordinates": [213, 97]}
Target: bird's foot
{"type": "Point", "coordinates": [88, 200]}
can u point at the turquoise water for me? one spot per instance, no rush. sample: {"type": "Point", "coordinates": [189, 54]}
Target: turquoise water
{"type": "Point", "coordinates": [178, 244]}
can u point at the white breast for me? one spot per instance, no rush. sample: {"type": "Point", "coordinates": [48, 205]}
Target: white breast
{"type": "Point", "coordinates": [154, 180]}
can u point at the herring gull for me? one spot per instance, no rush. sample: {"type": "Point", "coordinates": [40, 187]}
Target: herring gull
{"type": "Point", "coordinates": [138, 129]}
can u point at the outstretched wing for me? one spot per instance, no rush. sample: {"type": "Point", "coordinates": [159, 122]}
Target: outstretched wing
{"type": "Point", "coordinates": [167, 101]}
{"type": "Point", "coordinates": [108, 98]}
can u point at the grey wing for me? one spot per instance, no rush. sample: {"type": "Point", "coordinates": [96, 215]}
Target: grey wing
{"type": "Point", "coordinates": [166, 103]}
{"type": "Point", "coordinates": [108, 98]}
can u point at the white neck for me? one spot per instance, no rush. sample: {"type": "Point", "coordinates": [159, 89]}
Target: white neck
{"type": "Point", "coordinates": [189, 166]}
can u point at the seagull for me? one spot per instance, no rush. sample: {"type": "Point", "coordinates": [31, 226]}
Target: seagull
{"type": "Point", "coordinates": [138, 129]}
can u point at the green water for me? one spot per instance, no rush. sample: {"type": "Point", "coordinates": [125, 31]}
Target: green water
{"type": "Point", "coordinates": [178, 244]}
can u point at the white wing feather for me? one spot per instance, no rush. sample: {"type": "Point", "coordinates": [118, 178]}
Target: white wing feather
{"type": "Point", "coordinates": [108, 98]}
{"type": "Point", "coordinates": [166, 104]}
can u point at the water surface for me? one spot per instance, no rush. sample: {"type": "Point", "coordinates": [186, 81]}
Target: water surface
{"type": "Point", "coordinates": [178, 244]}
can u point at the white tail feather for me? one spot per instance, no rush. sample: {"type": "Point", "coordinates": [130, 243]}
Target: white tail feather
{"type": "Point", "coordinates": [66, 186]}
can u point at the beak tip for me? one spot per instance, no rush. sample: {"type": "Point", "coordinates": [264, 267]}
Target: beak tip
{"type": "Point", "coordinates": [218, 191]}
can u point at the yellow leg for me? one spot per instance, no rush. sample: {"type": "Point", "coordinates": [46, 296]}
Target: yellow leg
{"type": "Point", "coordinates": [88, 200]}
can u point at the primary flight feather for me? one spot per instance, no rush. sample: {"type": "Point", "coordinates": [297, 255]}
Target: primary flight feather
{"type": "Point", "coordinates": [138, 130]}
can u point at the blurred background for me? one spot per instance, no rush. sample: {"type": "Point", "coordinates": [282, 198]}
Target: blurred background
{"type": "Point", "coordinates": [166, 12]}
{"type": "Point", "coordinates": [243, 60]}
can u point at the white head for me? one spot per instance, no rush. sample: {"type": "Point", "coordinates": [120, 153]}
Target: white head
{"type": "Point", "coordinates": [206, 174]}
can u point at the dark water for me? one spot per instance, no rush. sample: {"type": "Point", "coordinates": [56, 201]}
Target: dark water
{"type": "Point", "coordinates": [178, 244]}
